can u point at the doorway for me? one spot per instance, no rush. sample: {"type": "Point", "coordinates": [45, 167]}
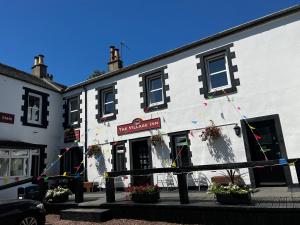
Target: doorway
{"type": "Point", "coordinates": [140, 151]}
{"type": "Point", "coordinates": [70, 160]}
{"type": "Point", "coordinates": [269, 139]}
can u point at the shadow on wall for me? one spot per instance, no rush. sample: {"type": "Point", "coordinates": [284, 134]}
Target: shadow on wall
{"type": "Point", "coordinates": [221, 149]}
{"type": "Point", "coordinates": [100, 164]}
{"type": "Point", "coordinates": [163, 153]}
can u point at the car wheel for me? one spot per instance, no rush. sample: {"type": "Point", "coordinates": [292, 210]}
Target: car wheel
{"type": "Point", "coordinates": [29, 220]}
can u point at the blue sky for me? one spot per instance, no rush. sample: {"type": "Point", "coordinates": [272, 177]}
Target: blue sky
{"type": "Point", "coordinates": [75, 35]}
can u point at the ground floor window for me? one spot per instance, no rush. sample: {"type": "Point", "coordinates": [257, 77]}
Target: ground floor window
{"type": "Point", "coordinates": [118, 156]}
{"type": "Point", "coordinates": [19, 162]}
{"type": "Point", "coordinates": [180, 149]}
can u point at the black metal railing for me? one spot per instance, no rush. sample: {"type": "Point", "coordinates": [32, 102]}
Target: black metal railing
{"type": "Point", "coordinates": [181, 173]}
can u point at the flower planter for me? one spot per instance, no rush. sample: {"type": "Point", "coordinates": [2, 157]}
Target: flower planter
{"type": "Point", "coordinates": [233, 198]}
{"type": "Point", "coordinates": [151, 197]}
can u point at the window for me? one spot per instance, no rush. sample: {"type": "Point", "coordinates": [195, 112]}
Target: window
{"type": "Point", "coordinates": [217, 72]}
{"type": "Point", "coordinates": [34, 108]}
{"type": "Point", "coordinates": [107, 103]}
{"type": "Point", "coordinates": [108, 106]}
{"type": "Point", "coordinates": [19, 162]}
{"type": "Point", "coordinates": [154, 90]}
{"type": "Point", "coordinates": [118, 157]}
{"type": "Point", "coordinates": [73, 111]}
{"type": "Point", "coordinates": [180, 149]}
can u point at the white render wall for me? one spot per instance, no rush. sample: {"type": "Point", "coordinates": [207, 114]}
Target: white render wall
{"type": "Point", "coordinates": [267, 57]}
{"type": "Point", "coordinates": [11, 93]}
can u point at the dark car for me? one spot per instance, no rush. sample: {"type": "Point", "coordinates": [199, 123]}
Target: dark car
{"type": "Point", "coordinates": [22, 212]}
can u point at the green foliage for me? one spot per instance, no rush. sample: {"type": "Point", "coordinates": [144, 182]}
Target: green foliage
{"type": "Point", "coordinates": [229, 189]}
{"type": "Point", "coordinates": [57, 192]}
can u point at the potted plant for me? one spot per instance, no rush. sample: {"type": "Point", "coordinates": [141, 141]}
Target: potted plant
{"type": "Point", "coordinates": [236, 192]}
{"type": "Point", "coordinates": [58, 194]}
{"type": "Point", "coordinates": [144, 194]}
{"type": "Point", "coordinates": [94, 151]}
{"type": "Point", "coordinates": [156, 139]}
{"type": "Point", "coordinates": [211, 132]}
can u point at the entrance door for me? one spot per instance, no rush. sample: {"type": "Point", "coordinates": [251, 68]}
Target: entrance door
{"type": "Point", "coordinates": [141, 159]}
{"type": "Point", "coordinates": [267, 137]}
{"type": "Point", "coordinates": [70, 160]}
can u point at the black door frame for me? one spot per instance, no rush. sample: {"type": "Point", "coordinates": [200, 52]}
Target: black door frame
{"type": "Point", "coordinates": [282, 149]}
{"type": "Point", "coordinates": [131, 158]}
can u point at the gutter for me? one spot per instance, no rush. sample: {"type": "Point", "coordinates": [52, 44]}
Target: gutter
{"type": "Point", "coordinates": [85, 134]}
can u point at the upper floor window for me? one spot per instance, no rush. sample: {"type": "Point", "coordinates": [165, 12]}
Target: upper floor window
{"type": "Point", "coordinates": [35, 108]}
{"type": "Point", "coordinates": [217, 72]}
{"type": "Point", "coordinates": [34, 113]}
{"type": "Point", "coordinates": [73, 104]}
{"type": "Point", "coordinates": [107, 103]}
{"type": "Point", "coordinates": [72, 111]}
{"type": "Point", "coordinates": [154, 90]}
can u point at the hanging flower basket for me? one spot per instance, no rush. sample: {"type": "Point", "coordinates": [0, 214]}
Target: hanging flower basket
{"type": "Point", "coordinates": [94, 151]}
{"type": "Point", "coordinates": [211, 132]}
{"type": "Point", "coordinates": [156, 139]}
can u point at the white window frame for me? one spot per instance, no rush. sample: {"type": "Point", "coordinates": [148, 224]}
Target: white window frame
{"type": "Point", "coordinates": [73, 111]}
{"type": "Point", "coordinates": [150, 91]}
{"type": "Point", "coordinates": [29, 157]}
{"type": "Point", "coordinates": [40, 109]}
{"type": "Point", "coordinates": [103, 93]}
{"type": "Point", "coordinates": [214, 57]}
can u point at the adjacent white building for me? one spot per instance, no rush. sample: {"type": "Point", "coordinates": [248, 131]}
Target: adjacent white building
{"type": "Point", "coordinates": [153, 113]}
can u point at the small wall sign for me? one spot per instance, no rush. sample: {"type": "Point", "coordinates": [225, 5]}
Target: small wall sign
{"type": "Point", "coordinates": [139, 125]}
{"type": "Point", "coordinates": [71, 135]}
{"type": "Point", "coordinates": [7, 118]}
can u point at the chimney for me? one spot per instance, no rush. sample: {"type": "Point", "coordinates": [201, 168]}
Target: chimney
{"type": "Point", "coordinates": [39, 69]}
{"type": "Point", "coordinates": [115, 61]}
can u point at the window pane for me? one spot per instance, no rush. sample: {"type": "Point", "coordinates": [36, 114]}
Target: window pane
{"type": "Point", "coordinates": [35, 151]}
{"type": "Point", "coordinates": [155, 84]}
{"type": "Point", "coordinates": [155, 96]}
{"type": "Point", "coordinates": [4, 153]}
{"type": "Point", "coordinates": [109, 108]}
{"type": "Point", "coordinates": [17, 167]}
{"type": "Point", "coordinates": [4, 167]}
{"type": "Point", "coordinates": [73, 104]}
{"type": "Point", "coordinates": [219, 80]}
{"type": "Point", "coordinates": [108, 97]}
{"type": "Point", "coordinates": [216, 65]}
{"type": "Point", "coordinates": [33, 101]}
{"type": "Point", "coordinates": [180, 141]}
{"type": "Point", "coordinates": [20, 153]}
{"type": "Point", "coordinates": [74, 117]}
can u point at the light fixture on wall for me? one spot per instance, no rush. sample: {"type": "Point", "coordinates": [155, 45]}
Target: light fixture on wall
{"type": "Point", "coordinates": [237, 129]}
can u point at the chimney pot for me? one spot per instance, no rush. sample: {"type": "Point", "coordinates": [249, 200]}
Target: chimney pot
{"type": "Point", "coordinates": [36, 60]}
{"type": "Point", "coordinates": [41, 59]}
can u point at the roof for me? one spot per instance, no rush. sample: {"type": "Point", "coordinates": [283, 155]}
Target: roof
{"type": "Point", "coordinates": [29, 78]}
{"type": "Point", "coordinates": [192, 45]}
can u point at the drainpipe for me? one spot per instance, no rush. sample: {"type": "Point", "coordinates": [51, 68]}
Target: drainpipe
{"type": "Point", "coordinates": [85, 133]}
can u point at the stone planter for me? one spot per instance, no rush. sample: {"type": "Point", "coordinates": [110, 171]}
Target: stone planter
{"type": "Point", "coordinates": [234, 199]}
{"type": "Point", "coordinates": [59, 199]}
{"type": "Point", "coordinates": [152, 197]}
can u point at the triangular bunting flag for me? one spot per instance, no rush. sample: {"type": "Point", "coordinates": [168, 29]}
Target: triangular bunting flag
{"type": "Point", "coordinates": [65, 174]}
{"type": "Point", "coordinates": [257, 137]}
{"type": "Point", "coordinates": [252, 128]}
{"type": "Point", "coordinates": [173, 165]}
{"type": "Point", "coordinates": [105, 174]}
{"type": "Point", "coordinates": [59, 156]}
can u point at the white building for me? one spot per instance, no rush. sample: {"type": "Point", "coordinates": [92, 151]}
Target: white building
{"type": "Point", "coordinates": [247, 77]}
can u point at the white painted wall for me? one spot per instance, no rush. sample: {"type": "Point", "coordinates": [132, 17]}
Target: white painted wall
{"type": "Point", "coordinates": [11, 92]}
{"type": "Point", "coordinates": [267, 57]}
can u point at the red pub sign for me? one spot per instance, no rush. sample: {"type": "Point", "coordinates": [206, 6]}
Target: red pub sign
{"type": "Point", "coordinates": [138, 125]}
{"type": "Point", "coordinates": [7, 118]}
